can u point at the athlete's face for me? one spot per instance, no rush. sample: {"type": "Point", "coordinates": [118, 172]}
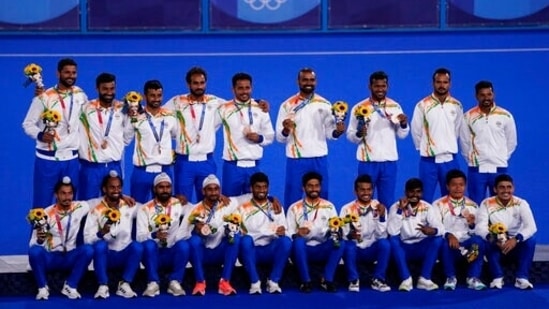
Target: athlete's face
{"type": "Point", "coordinates": [441, 84]}
{"type": "Point", "coordinates": [197, 86]}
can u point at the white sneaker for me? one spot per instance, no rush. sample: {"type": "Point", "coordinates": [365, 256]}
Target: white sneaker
{"type": "Point", "coordinates": [255, 288]}
{"type": "Point", "coordinates": [523, 284]}
{"type": "Point", "coordinates": [354, 286]}
{"type": "Point", "coordinates": [175, 288]}
{"type": "Point", "coordinates": [273, 287]}
{"type": "Point", "coordinates": [71, 293]}
{"type": "Point", "coordinates": [152, 289]}
{"type": "Point", "coordinates": [125, 290]}
{"type": "Point", "coordinates": [450, 284]}
{"type": "Point", "coordinates": [475, 284]}
{"type": "Point", "coordinates": [102, 292]}
{"type": "Point", "coordinates": [380, 285]}
{"type": "Point", "coordinates": [497, 283]}
{"type": "Point", "coordinates": [406, 285]}
{"type": "Point", "coordinates": [426, 284]}
{"type": "Point", "coordinates": [43, 293]}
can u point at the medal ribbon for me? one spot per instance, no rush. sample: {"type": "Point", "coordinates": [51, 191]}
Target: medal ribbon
{"type": "Point", "coordinates": [267, 212]}
{"type": "Point", "coordinates": [63, 104]}
{"type": "Point", "coordinates": [60, 228]}
{"type": "Point", "coordinates": [157, 136]}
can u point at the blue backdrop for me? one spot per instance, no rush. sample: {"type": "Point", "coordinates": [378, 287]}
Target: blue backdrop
{"type": "Point", "coordinates": [515, 61]}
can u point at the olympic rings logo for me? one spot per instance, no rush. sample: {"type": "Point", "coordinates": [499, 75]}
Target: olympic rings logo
{"type": "Point", "coordinates": [259, 5]}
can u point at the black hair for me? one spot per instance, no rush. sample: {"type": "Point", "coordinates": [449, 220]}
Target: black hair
{"type": "Point", "coordinates": [104, 78]}
{"type": "Point", "coordinates": [455, 173]}
{"type": "Point", "coordinates": [378, 75]}
{"type": "Point", "coordinates": [241, 76]}
{"type": "Point", "coordinates": [259, 177]}
{"type": "Point", "coordinates": [412, 184]}
{"type": "Point", "coordinates": [311, 175]}
{"type": "Point", "coordinates": [442, 71]}
{"type": "Point", "coordinates": [195, 71]}
{"type": "Point", "coordinates": [65, 62]}
{"type": "Point", "coordinates": [364, 178]}
{"type": "Point", "coordinates": [151, 84]}
{"type": "Point", "coordinates": [483, 84]}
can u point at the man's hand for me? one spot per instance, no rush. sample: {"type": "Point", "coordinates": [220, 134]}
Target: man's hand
{"type": "Point", "coordinates": [280, 231]}
{"type": "Point", "coordinates": [403, 120]}
{"type": "Point", "coordinates": [363, 131]}
{"type": "Point", "coordinates": [427, 230]}
{"type": "Point", "coordinates": [263, 104]}
{"type": "Point", "coordinates": [198, 227]}
{"type": "Point", "coordinates": [128, 200]}
{"type": "Point", "coordinates": [339, 130]}
{"type": "Point", "coordinates": [277, 206]}
{"type": "Point", "coordinates": [452, 241]}
{"type": "Point", "coordinates": [38, 91]}
{"type": "Point", "coordinates": [41, 236]}
{"type": "Point", "coordinates": [252, 137]}
{"type": "Point", "coordinates": [381, 210]}
{"type": "Point", "coordinates": [288, 125]}
{"type": "Point", "coordinates": [105, 229]}
{"type": "Point", "coordinates": [303, 231]}
{"type": "Point", "coordinates": [509, 245]}
{"type": "Point", "coordinates": [48, 137]}
{"type": "Point", "coordinates": [470, 219]}
{"type": "Point", "coordinates": [162, 235]}
{"type": "Point", "coordinates": [182, 199]}
{"type": "Point", "coordinates": [403, 203]}
{"type": "Point", "coordinates": [354, 234]}
{"type": "Point", "coordinates": [224, 200]}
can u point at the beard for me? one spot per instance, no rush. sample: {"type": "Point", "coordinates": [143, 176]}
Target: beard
{"type": "Point", "coordinates": [163, 197]}
{"type": "Point", "coordinates": [260, 196]}
{"type": "Point", "coordinates": [66, 83]}
{"type": "Point", "coordinates": [307, 89]}
{"type": "Point", "coordinates": [106, 98]}
{"type": "Point", "coordinates": [114, 197]}
{"type": "Point", "coordinates": [313, 194]}
{"type": "Point", "coordinates": [197, 92]}
{"type": "Point", "coordinates": [441, 91]}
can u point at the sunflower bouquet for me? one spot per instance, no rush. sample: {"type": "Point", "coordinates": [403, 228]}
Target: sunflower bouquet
{"type": "Point", "coordinates": [38, 218]}
{"type": "Point", "coordinates": [335, 224]}
{"type": "Point", "coordinates": [206, 228]}
{"type": "Point", "coordinates": [33, 72]}
{"type": "Point", "coordinates": [339, 110]}
{"type": "Point", "coordinates": [51, 119]}
{"type": "Point", "coordinates": [132, 102]}
{"type": "Point", "coordinates": [111, 217]}
{"type": "Point", "coordinates": [470, 254]}
{"type": "Point", "coordinates": [498, 232]}
{"type": "Point", "coordinates": [232, 227]}
{"type": "Point", "coordinates": [354, 223]}
{"type": "Point", "coordinates": [163, 222]}
{"type": "Point", "coordinates": [363, 114]}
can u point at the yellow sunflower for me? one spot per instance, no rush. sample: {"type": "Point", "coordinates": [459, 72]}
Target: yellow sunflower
{"type": "Point", "coordinates": [335, 222]}
{"type": "Point", "coordinates": [349, 218]}
{"type": "Point", "coordinates": [51, 115]}
{"type": "Point", "coordinates": [498, 228]}
{"type": "Point", "coordinates": [32, 69]}
{"type": "Point", "coordinates": [234, 218]}
{"type": "Point", "coordinates": [364, 111]}
{"type": "Point", "coordinates": [113, 215]}
{"type": "Point", "coordinates": [133, 96]}
{"type": "Point", "coordinates": [36, 214]}
{"type": "Point", "coordinates": [340, 107]}
{"type": "Point", "coordinates": [162, 219]}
